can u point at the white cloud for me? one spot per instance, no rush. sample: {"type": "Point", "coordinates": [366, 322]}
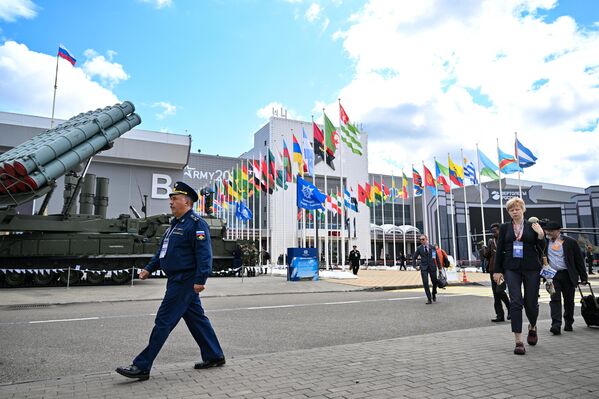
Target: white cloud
{"type": "Point", "coordinates": [97, 66]}
{"type": "Point", "coordinates": [27, 79]}
{"type": "Point", "coordinates": [167, 109]}
{"type": "Point", "coordinates": [11, 10]}
{"type": "Point", "coordinates": [269, 109]}
{"type": "Point", "coordinates": [158, 3]}
{"type": "Point", "coordinates": [313, 12]}
{"type": "Point", "coordinates": [432, 77]}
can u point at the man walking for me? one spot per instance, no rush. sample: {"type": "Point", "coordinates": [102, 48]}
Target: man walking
{"type": "Point", "coordinates": [499, 294]}
{"type": "Point", "coordinates": [354, 260]}
{"type": "Point", "coordinates": [565, 258]}
{"type": "Point", "coordinates": [185, 255]}
{"type": "Point", "coordinates": [427, 267]}
{"type": "Point", "coordinates": [590, 258]}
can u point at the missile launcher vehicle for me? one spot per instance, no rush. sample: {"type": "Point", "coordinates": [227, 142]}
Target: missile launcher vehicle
{"type": "Point", "coordinates": [78, 247]}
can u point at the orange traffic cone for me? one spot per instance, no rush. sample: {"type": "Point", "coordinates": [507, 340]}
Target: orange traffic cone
{"type": "Point", "coordinates": [464, 276]}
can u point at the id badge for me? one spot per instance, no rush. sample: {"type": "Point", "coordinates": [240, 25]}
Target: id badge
{"type": "Point", "coordinates": [518, 249]}
{"type": "Point", "coordinates": [164, 248]}
{"type": "Point", "coordinates": [434, 254]}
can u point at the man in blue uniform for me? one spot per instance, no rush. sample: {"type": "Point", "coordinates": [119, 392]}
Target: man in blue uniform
{"type": "Point", "coordinates": [185, 255]}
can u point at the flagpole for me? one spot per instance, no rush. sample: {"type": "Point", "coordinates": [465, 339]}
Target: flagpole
{"type": "Point", "coordinates": [383, 220]}
{"type": "Point", "coordinates": [500, 191]}
{"type": "Point", "coordinates": [414, 210]}
{"type": "Point", "coordinates": [375, 256]}
{"type": "Point", "coordinates": [403, 213]}
{"type": "Point", "coordinates": [518, 160]}
{"type": "Point", "coordinates": [268, 197]}
{"type": "Point", "coordinates": [326, 214]}
{"type": "Point", "coordinates": [54, 95]}
{"type": "Point", "coordinates": [480, 194]}
{"type": "Point", "coordinates": [424, 210]}
{"type": "Point", "coordinates": [466, 212]}
{"type": "Point", "coordinates": [247, 196]}
{"type": "Point", "coordinates": [343, 210]}
{"type": "Point", "coordinates": [438, 216]}
{"type": "Point", "coordinates": [284, 207]}
{"type": "Point", "coordinates": [259, 209]}
{"type": "Point", "coordinates": [453, 240]}
{"type": "Point", "coordinates": [393, 216]}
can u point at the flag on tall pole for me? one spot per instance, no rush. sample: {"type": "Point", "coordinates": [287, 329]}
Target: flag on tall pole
{"type": "Point", "coordinates": [350, 133]}
{"type": "Point", "coordinates": [470, 171]}
{"type": "Point", "coordinates": [298, 156]}
{"type": "Point", "coordinates": [441, 170]}
{"type": "Point", "coordinates": [429, 181]}
{"type": "Point", "coordinates": [486, 166]}
{"type": "Point", "coordinates": [456, 173]}
{"type": "Point", "coordinates": [416, 182]}
{"type": "Point", "coordinates": [64, 54]}
{"type": "Point", "coordinates": [525, 157]}
{"type": "Point", "coordinates": [507, 163]}
{"type": "Point", "coordinates": [308, 154]}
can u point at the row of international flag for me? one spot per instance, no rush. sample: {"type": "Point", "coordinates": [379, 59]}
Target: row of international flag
{"type": "Point", "coordinates": [270, 173]}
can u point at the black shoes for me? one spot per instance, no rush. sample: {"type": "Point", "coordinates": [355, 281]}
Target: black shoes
{"type": "Point", "coordinates": [555, 330]}
{"type": "Point", "coordinates": [434, 297]}
{"type": "Point", "coordinates": [498, 320]}
{"type": "Point", "coordinates": [568, 327]}
{"type": "Point", "coordinates": [133, 372]}
{"type": "Point", "coordinates": [429, 302]}
{"type": "Point", "coordinates": [210, 363]}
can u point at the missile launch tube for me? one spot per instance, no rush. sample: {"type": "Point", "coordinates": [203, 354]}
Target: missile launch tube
{"type": "Point", "coordinates": [72, 138]}
{"type": "Point", "coordinates": [80, 153]}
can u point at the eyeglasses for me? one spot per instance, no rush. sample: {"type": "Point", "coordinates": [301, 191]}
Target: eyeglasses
{"type": "Point", "coordinates": [423, 239]}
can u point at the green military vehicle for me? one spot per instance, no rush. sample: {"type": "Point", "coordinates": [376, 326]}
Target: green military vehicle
{"type": "Point", "coordinates": [83, 247]}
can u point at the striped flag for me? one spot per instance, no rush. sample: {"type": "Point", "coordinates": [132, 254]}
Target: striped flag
{"type": "Point", "coordinates": [470, 171]}
{"type": "Point", "coordinates": [524, 156]}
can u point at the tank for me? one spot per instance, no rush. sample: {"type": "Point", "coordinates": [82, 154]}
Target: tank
{"type": "Point", "coordinates": [79, 247]}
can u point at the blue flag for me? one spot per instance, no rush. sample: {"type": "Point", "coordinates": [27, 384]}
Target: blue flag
{"type": "Point", "coordinates": [525, 156]}
{"type": "Point", "coordinates": [243, 212]}
{"type": "Point", "coordinates": [308, 196]}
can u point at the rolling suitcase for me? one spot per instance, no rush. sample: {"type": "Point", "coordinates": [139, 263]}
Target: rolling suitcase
{"type": "Point", "coordinates": [589, 307]}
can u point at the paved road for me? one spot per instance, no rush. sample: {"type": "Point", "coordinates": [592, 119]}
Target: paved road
{"type": "Point", "coordinates": [72, 339]}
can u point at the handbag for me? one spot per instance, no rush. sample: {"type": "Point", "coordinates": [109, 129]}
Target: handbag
{"type": "Point", "coordinates": [441, 280]}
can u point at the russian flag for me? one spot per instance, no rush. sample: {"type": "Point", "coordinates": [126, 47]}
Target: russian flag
{"type": "Point", "coordinates": [63, 53]}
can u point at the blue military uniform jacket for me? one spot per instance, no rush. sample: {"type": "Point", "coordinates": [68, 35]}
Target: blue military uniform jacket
{"type": "Point", "coordinates": [188, 249]}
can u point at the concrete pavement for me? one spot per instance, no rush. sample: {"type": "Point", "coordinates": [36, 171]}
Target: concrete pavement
{"type": "Point", "coordinates": [473, 363]}
{"type": "Point", "coordinates": [153, 289]}
{"type": "Point", "coordinates": [470, 363]}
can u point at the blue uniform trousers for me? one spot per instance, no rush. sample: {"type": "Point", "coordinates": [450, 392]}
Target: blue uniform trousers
{"type": "Point", "coordinates": [180, 301]}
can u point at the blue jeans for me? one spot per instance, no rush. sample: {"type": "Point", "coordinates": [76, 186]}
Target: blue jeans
{"type": "Point", "coordinates": [530, 280]}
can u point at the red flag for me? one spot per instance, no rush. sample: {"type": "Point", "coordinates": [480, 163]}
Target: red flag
{"type": "Point", "coordinates": [361, 194]}
{"type": "Point", "coordinates": [342, 115]}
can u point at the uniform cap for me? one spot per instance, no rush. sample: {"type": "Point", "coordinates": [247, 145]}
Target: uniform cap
{"type": "Point", "coordinates": [184, 189]}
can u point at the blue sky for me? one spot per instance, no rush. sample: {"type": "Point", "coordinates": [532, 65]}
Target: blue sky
{"type": "Point", "coordinates": [424, 79]}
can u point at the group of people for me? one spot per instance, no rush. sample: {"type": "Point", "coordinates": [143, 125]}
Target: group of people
{"type": "Point", "coordinates": [515, 256]}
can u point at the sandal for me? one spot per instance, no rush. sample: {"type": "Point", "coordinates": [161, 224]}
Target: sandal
{"type": "Point", "coordinates": [532, 338]}
{"type": "Point", "coordinates": [519, 349]}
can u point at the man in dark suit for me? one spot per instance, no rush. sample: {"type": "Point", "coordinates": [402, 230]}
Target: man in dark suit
{"type": "Point", "coordinates": [427, 255]}
{"type": "Point", "coordinates": [354, 260]}
{"type": "Point", "coordinates": [566, 259]}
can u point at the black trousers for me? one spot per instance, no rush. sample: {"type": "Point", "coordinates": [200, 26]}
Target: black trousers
{"type": "Point", "coordinates": [530, 280]}
{"type": "Point", "coordinates": [355, 267]}
{"type": "Point", "coordinates": [563, 288]}
{"type": "Point", "coordinates": [498, 298]}
{"type": "Point", "coordinates": [432, 271]}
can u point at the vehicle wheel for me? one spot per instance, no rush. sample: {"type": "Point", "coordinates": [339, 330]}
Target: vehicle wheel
{"type": "Point", "coordinates": [121, 278]}
{"type": "Point", "coordinates": [43, 279]}
{"type": "Point", "coordinates": [95, 278]}
{"type": "Point", "coordinates": [75, 277]}
{"type": "Point", "coordinates": [14, 279]}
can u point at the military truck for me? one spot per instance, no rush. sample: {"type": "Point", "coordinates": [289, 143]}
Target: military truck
{"type": "Point", "coordinates": [78, 247]}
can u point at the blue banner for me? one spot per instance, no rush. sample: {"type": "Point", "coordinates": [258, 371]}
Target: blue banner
{"type": "Point", "coordinates": [308, 196]}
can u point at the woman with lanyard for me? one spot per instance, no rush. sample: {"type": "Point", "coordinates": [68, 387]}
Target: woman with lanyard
{"type": "Point", "coordinates": [518, 260]}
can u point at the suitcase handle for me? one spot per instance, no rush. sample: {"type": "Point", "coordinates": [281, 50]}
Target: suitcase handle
{"type": "Point", "coordinates": [589, 285]}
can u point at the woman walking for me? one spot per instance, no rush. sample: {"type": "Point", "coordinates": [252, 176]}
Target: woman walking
{"type": "Point", "coordinates": [518, 261]}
